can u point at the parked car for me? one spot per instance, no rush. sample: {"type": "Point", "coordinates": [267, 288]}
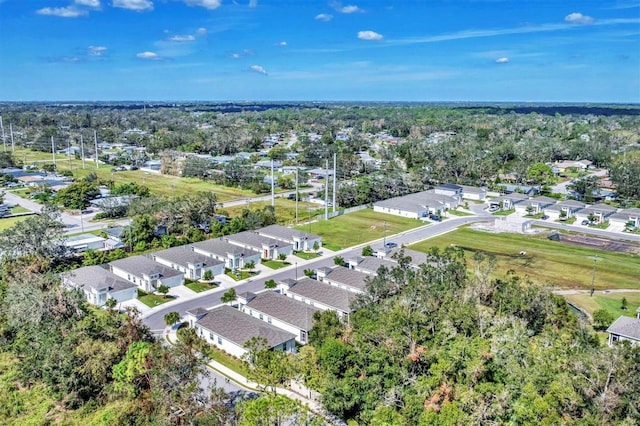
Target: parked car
{"type": "Point", "coordinates": [390, 245]}
{"type": "Point", "coordinates": [435, 218]}
{"type": "Point", "coordinates": [585, 222]}
{"type": "Point", "coordinates": [544, 217]}
{"type": "Point", "coordinates": [493, 208]}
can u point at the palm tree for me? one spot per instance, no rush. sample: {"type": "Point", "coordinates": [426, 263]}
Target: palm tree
{"type": "Point", "coordinates": [171, 318]}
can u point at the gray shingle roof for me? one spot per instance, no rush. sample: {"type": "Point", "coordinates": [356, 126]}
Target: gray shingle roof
{"type": "Point", "coordinates": [239, 328]}
{"type": "Point", "coordinates": [97, 278]}
{"type": "Point", "coordinates": [139, 265]}
{"type": "Point", "coordinates": [417, 257]}
{"type": "Point", "coordinates": [222, 248]}
{"type": "Point", "coordinates": [184, 255]}
{"type": "Point", "coordinates": [625, 214]}
{"type": "Point", "coordinates": [626, 326]}
{"type": "Point", "coordinates": [372, 264]}
{"type": "Point", "coordinates": [417, 201]}
{"type": "Point", "coordinates": [253, 239]}
{"type": "Point", "coordinates": [600, 208]}
{"type": "Point", "coordinates": [327, 294]}
{"type": "Point", "coordinates": [570, 204]}
{"type": "Point", "coordinates": [286, 309]}
{"type": "Point", "coordinates": [348, 277]}
{"type": "Point", "coordinates": [283, 233]}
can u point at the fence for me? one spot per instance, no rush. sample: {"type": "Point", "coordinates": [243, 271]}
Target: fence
{"type": "Point", "coordinates": [337, 213]}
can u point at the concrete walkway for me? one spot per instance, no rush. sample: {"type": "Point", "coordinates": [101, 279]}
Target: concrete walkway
{"type": "Point", "coordinates": [170, 334]}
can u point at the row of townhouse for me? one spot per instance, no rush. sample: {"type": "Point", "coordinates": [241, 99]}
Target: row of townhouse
{"type": "Point", "coordinates": [172, 266]}
{"type": "Point", "coordinates": [432, 201]}
{"type": "Point", "coordinates": [567, 209]}
{"type": "Point", "coordinates": [285, 316]}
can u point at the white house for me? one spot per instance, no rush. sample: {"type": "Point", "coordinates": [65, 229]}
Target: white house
{"type": "Point", "coordinates": [234, 257]}
{"type": "Point", "coordinates": [301, 241]}
{"type": "Point", "coordinates": [268, 247]}
{"type": "Point", "coordinates": [145, 273]}
{"type": "Point", "coordinates": [83, 242]}
{"type": "Point", "coordinates": [192, 264]}
{"type": "Point", "coordinates": [418, 205]}
{"type": "Point", "coordinates": [625, 328]}
{"type": "Point", "coordinates": [99, 285]}
{"type": "Point", "coordinates": [509, 201]}
{"type": "Point", "coordinates": [627, 216]}
{"type": "Point", "coordinates": [345, 278]}
{"type": "Point", "coordinates": [563, 165]}
{"type": "Point", "coordinates": [473, 193]}
{"type": "Point", "coordinates": [229, 329]}
{"type": "Point", "coordinates": [284, 312]}
{"type": "Point", "coordinates": [536, 205]}
{"type": "Point", "coordinates": [599, 212]}
{"type": "Point", "coordinates": [564, 209]}
{"type": "Point", "coordinates": [319, 295]}
{"type": "Point", "coordinates": [450, 189]}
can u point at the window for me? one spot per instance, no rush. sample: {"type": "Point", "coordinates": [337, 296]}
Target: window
{"type": "Point", "coordinates": [269, 320]}
{"type": "Point", "coordinates": [261, 317]}
{"type": "Point", "coordinates": [251, 312]}
{"type": "Point", "coordinates": [211, 336]}
{"type": "Point", "coordinates": [219, 340]}
{"type": "Point", "coordinates": [303, 336]}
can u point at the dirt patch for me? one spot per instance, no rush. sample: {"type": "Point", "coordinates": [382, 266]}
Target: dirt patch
{"type": "Point", "coordinates": [600, 243]}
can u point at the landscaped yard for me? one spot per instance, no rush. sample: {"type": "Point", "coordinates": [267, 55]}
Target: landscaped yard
{"type": "Point", "coordinates": [306, 255]}
{"type": "Point", "coordinates": [199, 287]}
{"type": "Point", "coordinates": [152, 300]}
{"type": "Point", "coordinates": [503, 212]}
{"type": "Point", "coordinates": [240, 275]}
{"type": "Point", "coordinates": [275, 264]}
{"type": "Point", "coordinates": [459, 213]}
{"type": "Point", "coordinates": [358, 227]}
{"type": "Point", "coordinates": [612, 302]}
{"type": "Point", "coordinates": [19, 209]}
{"type": "Point", "coordinates": [558, 264]}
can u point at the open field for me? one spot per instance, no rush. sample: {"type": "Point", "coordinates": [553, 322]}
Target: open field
{"type": "Point", "coordinates": [560, 265]}
{"type": "Point", "coordinates": [358, 227]}
{"type": "Point", "coordinates": [157, 183]}
{"type": "Point", "coordinates": [285, 210]}
{"type": "Point", "coordinates": [609, 301]}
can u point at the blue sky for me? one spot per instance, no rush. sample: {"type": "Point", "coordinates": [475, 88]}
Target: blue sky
{"type": "Point", "coordinates": [382, 50]}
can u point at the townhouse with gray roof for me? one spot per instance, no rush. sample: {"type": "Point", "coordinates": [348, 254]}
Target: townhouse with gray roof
{"type": "Point", "coordinates": [229, 329]}
{"type": "Point", "coordinates": [319, 295]}
{"type": "Point", "coordinates": [268, 247]}
{"type": "Point", "coordinates": [191, 263]}
{"type": "Point", "coordinates": [345, 278]}
{"type": "Point", "coordinates": [598, 212]}
{"type": "Point", "coordinates": [370, 265]}
{"type": "Point", "coordinates": [145, 273]}
{"type": "Point", "coordinates": [299, 240]}
{"type": "Point", "coordinates": [630, 218]}
{"type": "Point", "coordinates": [564, 209]}
{"type": "Point", "coordinates": [233, 256]}
{"type": "Point", "coordinates": [535, 205]}
{"type": "Point", "coordinates": [509, 201]}
{"type": "Point", "coordinates": [99, 285]}
{"type": "Point", "coordinates": [625, 329]}
{"type": "Point", "coordinates": [281, 311]}
{"type": "Point", "coordinates": [418, 205]}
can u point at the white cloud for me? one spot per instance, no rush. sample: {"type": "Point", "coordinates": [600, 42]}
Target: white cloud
{"type": "Point", "coordinates": [62, 12]}
{"type": "Point", "coordinates": [137, 5]}
{"type": "Point", "coordinates": [96, 50]}
{"type": "Point", "coordinates": [578, 18]}
{"type": "Point", "coordinates": [282, 43]}
{"type": "Point", "coordinates": [258, 69]}
{"type": "Point", "coordinates": [207, 4]}
{"type": "Point", "coordinates": [148, 55]}
{"type": "Point", "coordinates": [324, 17]}
{"type": "Point", "coordinates": [236, 56]}
{"type": "Point", "coordinates": [349, 9]}
{"type": "Point", "coordinates": [369, 35]}
{"type": "Point", "coordinates": [201, 31]}
{"type": "Point", "coordinates": [89, 3]}
{"type": "Point", "coordinates": [181, 38]}
{"type": "Point", "coordinates": [502, 60]}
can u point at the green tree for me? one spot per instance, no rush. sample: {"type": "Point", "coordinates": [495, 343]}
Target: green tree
{"type": "Point", "coordinates": [625, 173]}
{"type": "Point", "coordinates": [77, 195]}
{"type": "Point", "coordinates": [316, 246]}
{"type": "Point", "coordinates": [208, 275]}
{"type": "Point", "coordinates": [624, 304]}
{"type": "Point", "coordinates": [163, 290]}
{"type": "Point", "coordinates": [111, 303]}
{"type": "Point", "coordinates": [540, 174]}
{"type": "Point", "coordinates": [229, 296]}
{"type": "Point", "coordinates": [282, 256]}
{"type": "Point", "coordinates": [338, 260]}
{"type": "Point", "coordinates": [171, 318]}
{"type": "Point", "coordinates": [270, 284]}
{"type": "Point", "coordinates": [367, 251]}
{"type": "Point", "coordinates": [250, 265]}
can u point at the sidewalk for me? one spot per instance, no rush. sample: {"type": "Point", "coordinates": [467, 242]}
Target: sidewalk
{"type": "Point", "coordinates": [313, 406]}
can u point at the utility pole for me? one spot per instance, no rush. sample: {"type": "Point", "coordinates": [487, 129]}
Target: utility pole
{"type": "Point", "coordinates": [4, 142]}
{"type": "Point", "coordinates": [593, 275]}
{"type": "Point", "coordinates": [297, 195]}
{"type": "Point", "coordinates": [53, 153]}
{"type": "Point", "coordinates": [95, 141]}
{"type": "Point", "coordinates": [82, 149]}
{"type": "Point", "coordinates": [13, 146]}
{"type": "Point", "coordinates": [335, 177]}
{"type": "Point", "coordinates": [273, 190]}
{"type": "Point", "coordinates": [326, 189]}
{"type": "Point", "coordinates": [384, 239]}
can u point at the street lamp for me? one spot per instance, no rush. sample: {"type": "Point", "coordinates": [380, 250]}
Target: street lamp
{"type": "Point", "coordinates": [296, 271]}
{"type": "Point", "coordinates": [593, 275]}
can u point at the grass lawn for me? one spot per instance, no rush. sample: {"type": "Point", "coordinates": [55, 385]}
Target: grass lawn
{"type": "Point", "coordinates": [199, 287]}
{"type": "Point", "coordinates": [19, 209]}
{"type": "Point", "coordinates": [8, 222]}
{"type": "Point", "coordinates": [560, 265]}
{"type": "Point", "coordinates": [612, 302]}
{"type": "Point", "coordinates": [153, 300]}
{"type": "Point", "coordinates": [306, 255]}
{"type": "Point", "coordinates": [285, 210]}
{"type": "Point", "coordinates": [459, 213]}
{"type": "Point", "coordinates": [227, 360]}
{"type": "Point", "coordinates": [503, 212]}
{"type": "Point", "coordinates": [603, 225]}
{"type": "Point", "coordinates": [275, 264]}
{"type": "Point", "coordinates": [240, 275]}
{"type": "Point", "coordinates": [358, 227]}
